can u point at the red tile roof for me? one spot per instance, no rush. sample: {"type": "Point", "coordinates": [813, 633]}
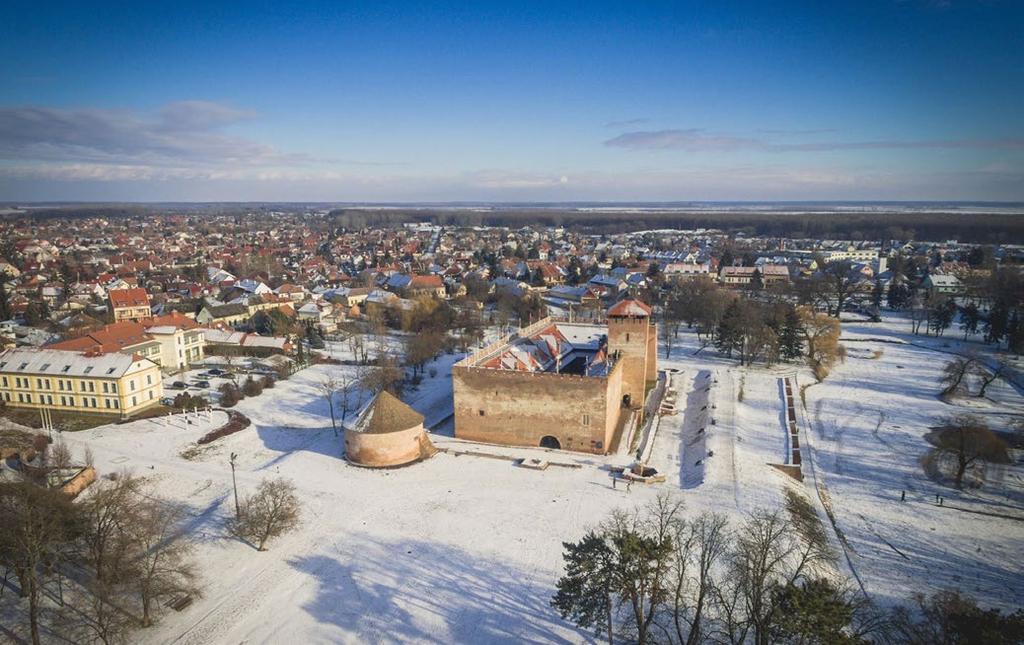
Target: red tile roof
{"type": "Point", "coordinates": [111, 338]}
{"type": "Point", "coordinates": [630, 307]}
{"type": "Point", "coordinates": [129, 297]}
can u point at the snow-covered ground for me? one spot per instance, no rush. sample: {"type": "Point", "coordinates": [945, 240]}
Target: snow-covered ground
{"type": "Point", "coordinates": [467, 548]}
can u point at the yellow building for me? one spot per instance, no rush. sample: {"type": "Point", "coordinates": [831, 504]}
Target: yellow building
{"type": "Point", "coordinates": [70, 381]}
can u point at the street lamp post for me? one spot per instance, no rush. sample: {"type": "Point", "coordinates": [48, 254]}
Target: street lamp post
{"type": "Point", "coordinates": [234, 483]}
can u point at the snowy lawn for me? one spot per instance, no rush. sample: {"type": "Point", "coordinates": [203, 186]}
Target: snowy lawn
{"type": "Point", "coordinates": [468, 548]}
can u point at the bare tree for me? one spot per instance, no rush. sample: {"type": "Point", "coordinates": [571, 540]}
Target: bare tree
{"type": "Point", "coordinates": [109, 510]}
{"type": "Point", "coordinates": [767, 553]}
{"type": "Point", "coordinates": [643, 546]}
{"type": "Point", "coordinates": [273, 511]}
{"type": "Point", "coordinates": [821, 338]}
{"type": "Point", "coordinates": [160, 559]}
{"type": "Point", "coordinates": [668, 330]}
{"type": "Point", "coordinates": [59, 457]}
{"type": "Point", "coordinates": [835, 284]}
{"type": "Point", "coordinates": [954, 374]}
{"type": "Point", "coordinates": [357, 346]}
{"type": "Point", "coordinates": [385, 375]}
{"type": "Point", "coordinates": [697, 553]}
{"type": "Point", "coordinates": [104, 619]}
{"type": "Point", "coordinates": [328, 388]}
{"type": "Point", "coordinates": [422, 347]}
{"type": "Point", "coordinates": [963, 443]}
{"type": "Point", "coordinates": [38, 527]}
{"type": "Point", "coordinates": [988, 376]}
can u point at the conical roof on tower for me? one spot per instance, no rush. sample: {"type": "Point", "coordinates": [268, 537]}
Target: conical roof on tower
{"type": "Point", "coordinates": [389, 414]}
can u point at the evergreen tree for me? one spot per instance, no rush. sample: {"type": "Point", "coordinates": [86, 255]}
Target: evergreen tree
{"type": "Point", "coordinates": [585, 592]}
{"type": "Point", "coordinates": [876, 294]}
{"type": "Point", "coordinates": [813, 612]}
{"type": "Point", "coordinates": [941, 314]}
{"type": "Point", "coordinates": [791, 336]}
{"type": "Point", "coordinates": [1015, 335]}
{"type": "Point", "coordinates": [898, 296]}
{"type": "Point", "coordinates": [757, 281]}
{"type": "Point", "coordinates": [969, 319]}
{"type": "Point", "coordinates": [997, 322]}
{"type": "Point", "coordinates": [729, 334]}
{"type": "Point", "coordinates": [5, 307]}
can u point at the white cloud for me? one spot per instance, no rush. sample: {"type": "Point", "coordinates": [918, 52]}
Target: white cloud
{"type": "Point", "coordinates": [696, 140]}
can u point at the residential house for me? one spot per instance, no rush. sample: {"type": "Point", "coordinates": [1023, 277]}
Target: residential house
{"type": "Point", "coordinates": [129, 304]}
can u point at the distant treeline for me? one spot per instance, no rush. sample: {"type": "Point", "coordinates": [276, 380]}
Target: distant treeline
{"type": "Point", "coordinates": [978, 228]}
{"type": "Point", "coordinates": [967, 227]}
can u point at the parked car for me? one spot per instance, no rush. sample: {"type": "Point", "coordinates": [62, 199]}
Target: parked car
{"type": "Point", "coordinates": [179, 385]}
{"type": "Point", "coordinates": [167, 400]}
{"type": "Point", "coordinates": [203, 384]}
{"type": "Point", "coordinates": [216, 372]}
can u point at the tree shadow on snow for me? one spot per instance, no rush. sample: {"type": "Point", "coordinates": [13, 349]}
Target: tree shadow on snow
{"type": "Point", "coordinates": [424, 591]}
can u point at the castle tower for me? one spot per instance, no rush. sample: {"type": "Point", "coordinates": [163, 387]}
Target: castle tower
{"type": "Point", "coordinates": [632, 335]}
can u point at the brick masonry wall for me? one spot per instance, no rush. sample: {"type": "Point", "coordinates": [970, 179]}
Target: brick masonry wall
{"type": "Point", "coordinates": [521, 408]}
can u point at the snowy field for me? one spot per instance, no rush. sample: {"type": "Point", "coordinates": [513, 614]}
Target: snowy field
{"type": "Point", "coordinates": [467, 548]}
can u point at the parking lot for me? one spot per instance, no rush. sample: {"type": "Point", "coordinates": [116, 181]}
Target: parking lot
{"type": "Point", "coordinates": [206, 381]}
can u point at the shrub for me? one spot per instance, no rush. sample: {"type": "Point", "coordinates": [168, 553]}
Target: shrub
{"type": "Point", "coordinates": [229, 395]}
{"type": "Point", "coordinates": [251, 387]}
{"type": "Point", "coordinates": [186, 401]}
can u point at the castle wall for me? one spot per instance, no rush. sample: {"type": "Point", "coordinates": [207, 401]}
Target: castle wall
{"type": "Point", "coordinates": [652, 354]}
{"type": "Point", "coordinates": [613, 396]}
{"type": "Point", "coordinates": [520, 408]}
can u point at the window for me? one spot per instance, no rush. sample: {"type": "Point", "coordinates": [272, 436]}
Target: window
{"type": "Point", "coordinates": [113, 388]}
{"type": "Point", "coordinates": [106, 403]}
{"type": "Point", "coordinates": [105, 388]}
{"type": "Point", "coordinates": [45, 367]}
{"type": "Point", "coordinates": [39, 383]}
{"type": "Point", "coordinates": [481, 412]}
{"type": "Point", "coordinates": [66, 368]}
{"type": "Point", "coordinates": [92, 386]}
{"type": "Point", "coordinates": [111, 370]}
{"type": "Point", "coordinates": [627, 337]}
{"type": "Point", "coordinates": [5, 381]}
{"type": "Point", "coordinates": [60, 385]}
{"type": "Point", "coordinates": [149, 379]}
{"type": "Point", "coordinates": [83, 386]}
{"type": "Point", "coordinates": [586, 419]}
{"type": "Point", "coordinates": [22, 366]}
{"type": "Point", "coordinates": [115, 404]}
{"type": "Point", "coordinates": [47, 384]}
{"type": "Point", "coordinates": [135, 401]}
{"type": "Point", "coordinates": [151, 395]}
{"type": "Point", "coordinates": [132, 385]}
{"type": "Point", "coordinates": [87, 369]}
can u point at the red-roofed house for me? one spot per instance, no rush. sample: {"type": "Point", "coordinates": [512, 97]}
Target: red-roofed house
{"type": "Point", "coordinates": [425, 285]}
{"type": "Point", "coordinates": [129, 304]}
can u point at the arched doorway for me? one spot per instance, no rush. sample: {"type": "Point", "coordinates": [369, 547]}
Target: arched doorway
{"type": "Point", "coordinates": [548, 441]}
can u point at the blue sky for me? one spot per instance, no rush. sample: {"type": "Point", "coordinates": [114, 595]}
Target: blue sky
{"type": "Point", "coordinates": [379, 101]}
